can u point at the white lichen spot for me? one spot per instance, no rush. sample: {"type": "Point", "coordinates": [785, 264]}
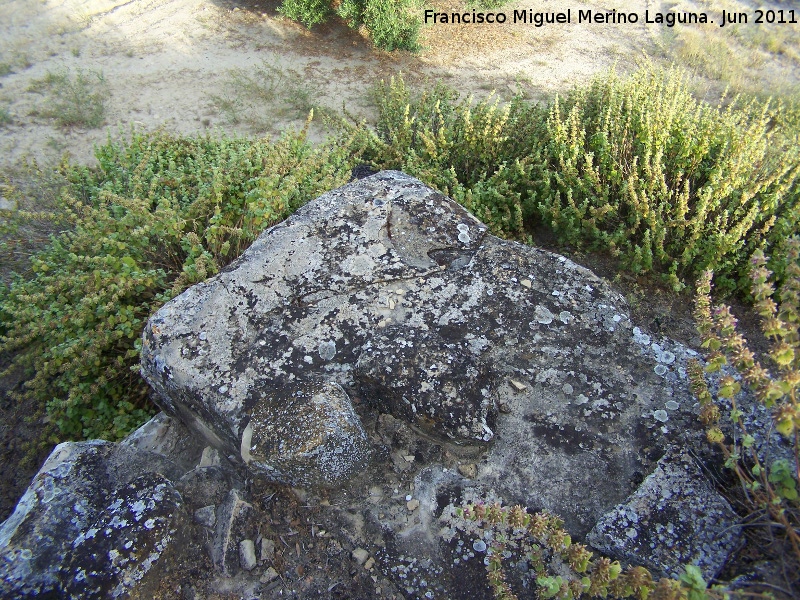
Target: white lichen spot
{"type": "Point", "coordinates": [640, 338]}
{"type": "Point", "coordinates": [463, 237]}
{"type": "Point", "coordinates": [150, 523]}
{"type": "Point", "coordinates": [660, 369]}
{"type": "Point", "coordinates": [631, 533]}
{"type": "Point", "coordinates": [672, 405]}
{"type": "Point", "coordinates": [581, 400]}
{"type": "Point", "coordinates": [463, 227]}
{"type": "Point", "coordinates": [223, 389]}
{"type": "Point", "coordinates": [479, 546]}
{"type": "Point", "coordinates": [567, 389]}
{"type": "Point", "coordinates": [203, 336]}
{"type": "Point", "coordinates": [565, 317]}
{"type": "Point", "coordinates": [667, 358]}
{"type": "Point", "coordinates": [308, 359]}
{"type": "Point", "coordinates": [661, 416]}
{"type": "Point", "coordinates": [543, 315]}
{"type": "Point", "coordinates": [327, 350]}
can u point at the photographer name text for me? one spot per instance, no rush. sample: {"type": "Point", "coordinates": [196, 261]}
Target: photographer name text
{"type": "Point", "coordinates": [613, 17]}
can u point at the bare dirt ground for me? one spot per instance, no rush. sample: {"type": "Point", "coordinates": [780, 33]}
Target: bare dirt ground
{"type": "Point", "coordinates": [172, 63]}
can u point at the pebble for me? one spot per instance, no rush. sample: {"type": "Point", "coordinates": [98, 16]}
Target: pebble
{"type": "Point", "coordinates": [518, 386]}
{"type": "Point", "coordinates": [206, 516]}
{"type": "Point", "coordinates": [360, 555]}
{"type": "Point", "coordinates": [412, 505]}
{"type": "Point", "coordinates": [469, 470]}
{"type": "Point", "coordinates": [247, 555]}
{"type": "Point", "coordinates": [269, 575]}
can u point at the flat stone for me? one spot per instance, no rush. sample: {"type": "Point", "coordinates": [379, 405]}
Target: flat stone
{"type": "Point", "coordinates": [360, 555]}
{"type": "Point", "coordinates": [675, 518]}
{"type": "Point", "coordinates": [247, 555]}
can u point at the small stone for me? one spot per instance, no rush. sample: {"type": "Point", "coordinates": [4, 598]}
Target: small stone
{"type": "Point", "coordinates": [268, 550]}
{"type": "Point", "coordinates": [504, 408]}
{"type": "Point", "coordinates": [470, 470]}
{"type": "Point", "coordinates": [247, 555]}
{"type": "Point", "coordinates": [369, 564]}
{"type": "Point", "coordinates": [269, 575]}
{"type": "Point", "coordinates": [391, 304]}
{"type": "Point", "coordinates": [206, 516]}
{"type": "Point", "coordinates": [412, 505]}
{"type": "Point", "coordinates": [360, 555]}
{"type": "Point", "coordinates": [517, 385]}
{"type": "Point", "coordinates": [409, 457]}
{"type": "Point", "coordinates": [526, 283]}
{"type": "Point", "coordinates": [210, 457]}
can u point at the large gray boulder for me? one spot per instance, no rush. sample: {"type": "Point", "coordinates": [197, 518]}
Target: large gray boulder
{"type": "Point", "coordinates": [380, 335]}
{"type": "Point", "coordinates": [388, 292]}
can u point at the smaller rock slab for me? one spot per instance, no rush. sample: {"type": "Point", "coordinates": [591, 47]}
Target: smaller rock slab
{"type": "Point", "coordinates": [49, 545]}
{"type": "Point", "coordinates": [675, 518]}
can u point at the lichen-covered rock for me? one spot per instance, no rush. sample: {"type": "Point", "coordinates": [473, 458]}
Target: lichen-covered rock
{"type": "Point", "coordinates": [395, 295]}
{"type": "Point", "coordinates": [46, 545]}
{"type": "Point", "coordinates": [122, 550]}
{"type": "Point", "coordinates": [675, 518]}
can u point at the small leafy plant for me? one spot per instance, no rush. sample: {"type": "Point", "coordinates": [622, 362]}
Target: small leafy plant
{"type": "Point", "coordinates": [73, 99]}
{"type": "Point", "coordinates": [539, 538]}
{"type": "Point", "coordinates": [770, 488]}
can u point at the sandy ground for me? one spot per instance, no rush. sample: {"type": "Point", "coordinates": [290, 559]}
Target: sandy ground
{"type": "Point", "coordinates": [167, 63]}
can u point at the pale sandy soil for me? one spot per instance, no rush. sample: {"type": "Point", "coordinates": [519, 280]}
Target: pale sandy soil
{"type": "Point", "coordinates": [164, 61]}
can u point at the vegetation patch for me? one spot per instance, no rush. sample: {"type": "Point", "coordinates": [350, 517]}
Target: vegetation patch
{"type": "Point", "coordinates": [262, 95]}
{"type": "Point", "coordinates": [160, 213]}
{"type": "Point", "coordinates": [391, 24]}
{"type": "Point", "coordinates": [73, 99]}
{"type": "Point", "coordinates": [633, 166]}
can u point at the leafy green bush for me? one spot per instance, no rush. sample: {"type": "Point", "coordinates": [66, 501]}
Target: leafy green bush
{"type": "Point", "coordinates": [635, 166]}
{"type": "Point", "coordinates": [392, 24]}
{"type": "Point", "coordinates": [772, 488]}
{"type": "Point", "coordinates": [159, 214]}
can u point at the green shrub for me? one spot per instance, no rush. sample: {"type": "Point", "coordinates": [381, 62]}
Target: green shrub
{"type": "Point", "coordinates": [159, 214]}
{"type": "Point", "coordinates": [635, 166]}
{"type": "Point", "coordinates": [771, 484]}
{"type": "Point", "coordinates": [391, 24]}
{"type": "Point", "coordinates": [73, 99]}
{"type": "Point", "coordinates": [307, 12]}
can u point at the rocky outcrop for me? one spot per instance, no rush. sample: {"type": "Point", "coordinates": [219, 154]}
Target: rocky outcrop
{"type": "Point", "coordinates": [96, 522]}
{"type": "Point", "coordinates": [382, 337]}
